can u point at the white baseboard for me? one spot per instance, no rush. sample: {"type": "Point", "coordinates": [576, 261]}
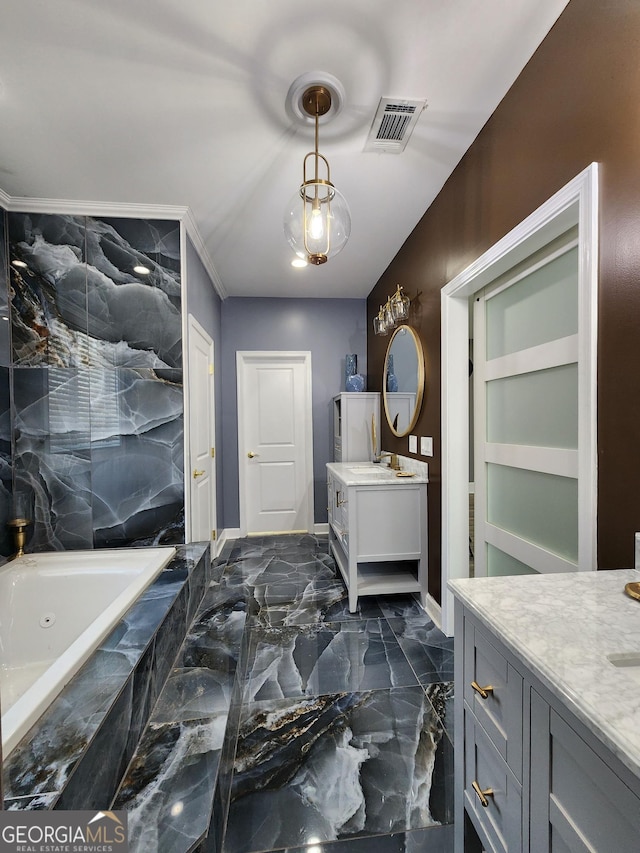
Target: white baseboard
{"type": "Point", "coordinates": [225, 534]}
{"type": "Point", "coordinates": [321, 529]}
{"type": "Point", "coordinates": [434, 611]}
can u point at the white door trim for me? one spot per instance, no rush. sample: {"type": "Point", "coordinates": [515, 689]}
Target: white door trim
{"type": "Point", "coordinates": [575, 204]}
{"type": "Point", "coordinates": [194, 328]}
{"type": "Point", "coordinates": [242, 358]}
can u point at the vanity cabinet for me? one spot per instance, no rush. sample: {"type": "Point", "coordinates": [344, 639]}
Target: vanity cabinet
{"type": "Point", "coordinates": [530, 776]}
{"type": "Point", "coordinates": [378, 531]}
{"type": "Point", "coordinates": [352, 415]}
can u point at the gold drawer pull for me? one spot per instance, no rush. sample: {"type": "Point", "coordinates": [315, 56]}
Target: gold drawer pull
{"type": "Point", "coordinates": [483, 691]}
{"type": "Point", "coordinates": [482, 795]}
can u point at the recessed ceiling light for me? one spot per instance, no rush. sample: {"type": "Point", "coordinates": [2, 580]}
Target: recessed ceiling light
{"type": "Point", "coordinates": [299, 262]}
{"type": "Point", "coordinates": [141, 270]}
{"type": "Point", "coordinates": [19, 264]}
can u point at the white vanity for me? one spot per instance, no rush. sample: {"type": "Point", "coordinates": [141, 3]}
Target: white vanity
{"type": "Point", "coordinates": [547, 713]}
{"type": "Point", "coordinates": [378, 529]}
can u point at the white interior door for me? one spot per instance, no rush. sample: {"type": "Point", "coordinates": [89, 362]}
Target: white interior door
{"type": "Point", "coordinates": [526, 417]}
{"type": "Point", "coordinates": [275, 454]}
{"type": "Point", "coordinates": [202, 464]}
{"type": "Point", "coordinates": [576, 204]}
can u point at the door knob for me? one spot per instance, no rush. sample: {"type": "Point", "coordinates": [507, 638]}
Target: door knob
{"type": "Point", "coordinates": [197, 473]}
{"type": "Point", "coordinates": [251, 454]}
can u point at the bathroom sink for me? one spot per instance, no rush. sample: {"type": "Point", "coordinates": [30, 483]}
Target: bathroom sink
{"type": "Point", "coordinates": [372, 472]}
{"type": "Point", "coordinates": [629, 661]}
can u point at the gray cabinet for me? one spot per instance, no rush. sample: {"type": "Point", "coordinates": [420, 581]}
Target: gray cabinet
{"type": "Point", "coordinates": [531, 776]}
{"type": "Point", "coordinates": [578, 800]}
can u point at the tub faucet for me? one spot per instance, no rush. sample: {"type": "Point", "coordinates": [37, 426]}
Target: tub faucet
{"type": "Point", "coordinates": [394, 462]}
{"type": "Point", "coordinates": [19, 528]}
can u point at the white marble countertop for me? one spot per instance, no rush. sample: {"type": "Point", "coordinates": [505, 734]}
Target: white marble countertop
{"type": "Point", "coordinates": [563, 627]}
{"type": "Point", "coordinates": [372, 474]}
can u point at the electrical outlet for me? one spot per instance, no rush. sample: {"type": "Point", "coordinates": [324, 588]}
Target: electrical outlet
{"type": "Point", "coordinates": [413, 444]}
{"type": "Point", "coordinates": [426, 445]}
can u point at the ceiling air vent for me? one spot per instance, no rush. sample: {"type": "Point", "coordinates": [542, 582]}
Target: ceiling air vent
{"type": "Point", "coordinates": [393, 125]}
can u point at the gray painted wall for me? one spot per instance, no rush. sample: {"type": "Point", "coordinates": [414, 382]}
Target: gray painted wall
{"type": "Point", "coordinates": [329, 329]}
{"type": "Point", "coordinates": [204, 303]}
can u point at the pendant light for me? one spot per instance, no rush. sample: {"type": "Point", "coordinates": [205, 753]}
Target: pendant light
{"type": "Point", "coordinates": [317, 222]}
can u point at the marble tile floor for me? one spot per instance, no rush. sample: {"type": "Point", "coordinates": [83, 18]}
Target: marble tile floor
{"type": "Point", "coordinates": [327, 731]}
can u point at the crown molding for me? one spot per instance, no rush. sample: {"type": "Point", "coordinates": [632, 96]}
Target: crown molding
{"type": "Point", "coordinates": [23, 204]}
{"type": "Point", "coordinates": [198, 244]}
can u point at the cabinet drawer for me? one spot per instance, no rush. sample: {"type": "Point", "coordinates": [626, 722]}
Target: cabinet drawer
{"type": "Point", "coordinates": [500, 710]}
{"type": "Point", "coordinates": [499, 823]}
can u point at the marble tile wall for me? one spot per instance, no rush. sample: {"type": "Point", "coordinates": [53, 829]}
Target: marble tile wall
{"type": "Point", "coordinates": [5, 411]}
{"type": "Point", "coordinates": [96, 367]}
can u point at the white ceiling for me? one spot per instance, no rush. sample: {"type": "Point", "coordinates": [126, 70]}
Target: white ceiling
{"type": "Point", "coordinates": [182, 102]}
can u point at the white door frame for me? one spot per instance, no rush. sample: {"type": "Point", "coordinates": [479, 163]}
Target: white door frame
{"type": "Point", "coordinates": [575, 204]}
{"type": "Point", "coordinates": [193, 327]}
{"type": "Point", "coordinates": [242, 357]}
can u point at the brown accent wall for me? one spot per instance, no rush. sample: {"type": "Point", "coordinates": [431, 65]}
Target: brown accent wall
{"type": "Point", "coordinates": [577, 101]}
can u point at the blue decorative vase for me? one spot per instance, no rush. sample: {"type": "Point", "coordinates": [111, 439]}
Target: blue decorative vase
{"type": "Point", "coordinates": [353, 381]}
{"type": "Point", "coordinates": [392, 379]}
{"type": "Point", "coordinates": [350, 368]}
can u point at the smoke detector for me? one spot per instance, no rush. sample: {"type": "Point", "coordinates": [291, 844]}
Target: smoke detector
{"type": "Point", "coordinates": [393, 124]}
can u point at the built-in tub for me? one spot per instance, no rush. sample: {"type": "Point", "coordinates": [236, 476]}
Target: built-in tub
{"type": "Point", "coordinates": [55, 610]}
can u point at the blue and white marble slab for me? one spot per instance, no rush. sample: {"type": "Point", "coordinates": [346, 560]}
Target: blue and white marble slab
{"type": "Point", "coordinates": [97, 356]}
{"type": "Point", "coordinates": [5, 344]}
{"type": "Point", "coordinates": [441, 697]}
{"type": "Point", "coordinates": [316, 602]}
{"type": "Point", "coordinates": [167, 790]}
{"type": "Point", "coordinates": [330, 657]}
{"type": "Point", "coordinates": [434, 839]}
{"type": "Point", "coordinates": [333, 767]}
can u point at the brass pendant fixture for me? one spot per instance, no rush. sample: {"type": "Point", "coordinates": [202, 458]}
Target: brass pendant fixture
{"type": "Point", "coordinates": [317, 222]}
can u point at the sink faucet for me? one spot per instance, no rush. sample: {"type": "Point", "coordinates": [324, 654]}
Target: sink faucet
{"type": "Point", "coordinates": [394, 462]}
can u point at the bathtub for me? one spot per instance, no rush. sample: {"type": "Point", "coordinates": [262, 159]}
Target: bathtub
{"type": "Point", "coordinates": [55, 610]}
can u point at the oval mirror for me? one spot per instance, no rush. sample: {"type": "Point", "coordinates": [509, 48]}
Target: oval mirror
{"type": "Point", "coordinates": [403, 380]}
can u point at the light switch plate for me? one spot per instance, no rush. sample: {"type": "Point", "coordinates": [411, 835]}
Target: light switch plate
{"type": "Point", "coordinates": [426, 445]}
{"type": "Point", "coordinates": [413, 444]}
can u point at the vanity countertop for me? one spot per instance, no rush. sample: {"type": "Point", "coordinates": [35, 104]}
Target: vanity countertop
{"type": "Point", "coordinates": [565, 628]}
{"type": "Point", "coordinates": [373, 474]}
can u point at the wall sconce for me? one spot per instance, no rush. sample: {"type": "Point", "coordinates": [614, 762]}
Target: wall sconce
{"type": "Point", "coordinates": [394, 311]}
{"type": "Point", "coordinates": [317, 222]}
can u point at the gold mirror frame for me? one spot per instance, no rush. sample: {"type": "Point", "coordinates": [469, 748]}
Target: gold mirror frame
{"type": "Point", "coordinates": [421, 380]}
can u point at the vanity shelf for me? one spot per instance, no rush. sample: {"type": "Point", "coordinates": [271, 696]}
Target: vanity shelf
{"type": "Point", "coordinates": [378, 530]}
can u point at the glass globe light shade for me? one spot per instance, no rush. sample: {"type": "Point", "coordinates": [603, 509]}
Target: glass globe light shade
{"type": "Point", "coordinates": [317, 222]}
{"type": "Point", "coordinates": [379, 325]}
{"type": "Point", "coordinates": [390, 320]}
{"type": "Point", "coordinates": [400, 305]}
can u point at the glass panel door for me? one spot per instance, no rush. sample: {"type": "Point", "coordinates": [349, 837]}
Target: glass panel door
{"type": "Point", "coordinates": [526, 415]}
